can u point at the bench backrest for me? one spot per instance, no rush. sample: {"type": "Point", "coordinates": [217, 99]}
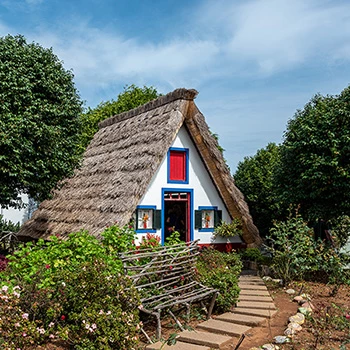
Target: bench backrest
{"type": "Point", "coordinates": [163, 268]}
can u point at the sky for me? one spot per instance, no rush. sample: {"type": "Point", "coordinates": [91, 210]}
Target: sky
{"type": "Point", "coordinates": [254, 62]}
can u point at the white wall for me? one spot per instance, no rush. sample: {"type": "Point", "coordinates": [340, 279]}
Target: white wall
{"type": "Point", "coordinates": [204, 191]}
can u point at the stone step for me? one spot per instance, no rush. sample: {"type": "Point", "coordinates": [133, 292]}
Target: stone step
{"type": "Point", "coordinates": [214, 341]}
{"type": "Point", "coordinates": [256, 305]}
{"type": "Point", "coordinates": [254, 312]}
{"type": "Point", "coordinates": [252, 281]}
{"type": "Point", "coordinates": [246, 320]}
{"type": "Point", "coordinates": [251, 286]}
{"type": "Point", "coordinates": [260, 298]}
{"type": "Point", "coordinates": [222, 327]}
{"type": "Point", "coordinates": [177, 346]}
{"type": "Point", "coordinates": [254, 292]}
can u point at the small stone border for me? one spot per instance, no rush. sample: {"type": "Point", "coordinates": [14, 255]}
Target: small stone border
{"type": "Point", "coordinates": [295, 321]}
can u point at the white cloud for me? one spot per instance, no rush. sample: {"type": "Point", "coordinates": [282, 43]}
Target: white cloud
{"type": "Point", "coordinates": [275, 35]}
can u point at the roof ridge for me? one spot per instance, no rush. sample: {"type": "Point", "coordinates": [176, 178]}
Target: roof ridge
{"type": "Point", "coordinates": [178, 94]}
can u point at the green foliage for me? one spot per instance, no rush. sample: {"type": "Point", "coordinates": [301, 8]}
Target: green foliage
{"type": "Point", "coordinates": [173, 239]}
{"type": "Point", "coordinates": [73, 290]}
{"type": "Point", "coordinates": [39, 121]}
{"type": "Point", "coordinates": [228, 229]}
{"type": "Point", "coordinates": [221, 271]}
{"type": "Point", "coordinates": [297, 255]}
{"type": "Point", "coordinates": [254, 254]}
{"type": "Point", "coordinates": [341, 230]}
{"type": "Point", "coordinates": [315, 162]}
{"type": "Point", "coordinates": [130, 98]}
{"type": "Point", "coordinates": [7, 225]}
{"type": "Point", "coordinates": [255, 177]}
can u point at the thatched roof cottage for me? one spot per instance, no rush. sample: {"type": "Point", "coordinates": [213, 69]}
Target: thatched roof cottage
{"type": "Point", "coordinates": [158, 165]}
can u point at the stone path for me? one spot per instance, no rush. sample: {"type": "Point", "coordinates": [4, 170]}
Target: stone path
{"type": "Point", "coordinates": [254, 306]}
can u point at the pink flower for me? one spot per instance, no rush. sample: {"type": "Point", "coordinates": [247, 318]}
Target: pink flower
{"type": "Point", "coordinates": [51, 336]}
{"type": "Point", "coordinates": [47, 266]}
{"type": "Point", "coordinates": [17, 325]}
{"type": "Point", "coordinates": [5, 289]}
{"type": "Point", "coordinates": [24, 334]}
{"type": "Point", "coordinates": [25, 316]}
{"type": "Point", "coordinates": [170, 267]}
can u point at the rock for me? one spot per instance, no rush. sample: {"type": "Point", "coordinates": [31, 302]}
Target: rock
{"type": "Point", "coordinates": [308, 305]}
{"type": "Point", "coordinates": [299, 299]}
{"type": "Point", "coordinates": [296, 326]}
{"type": "Point", "coordinates": [267, 278]}
{"type": "Point", "coordinates": [254, 348]}
{"type": "Point", "coordinates": [305, 310]}
{"type": "Point", "coordinates": [289, 332]}
{"type": "Point", "coordinates": [290, 291]}
{"type": "Point", "coordinates": [281, 339]}
{"type": "Point", "coordinates": [279, 281]}
{"type": "Point", "coordinates": [270, 347]}
{"type": "Point", "coordinates": [298, 318]}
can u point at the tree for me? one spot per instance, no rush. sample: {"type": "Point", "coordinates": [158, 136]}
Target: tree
{"type": "Point", "coordinates": [39, 121]}
{"type": "Point", "coordinates": [132, 97]}
{"type": "Point", "coordinates": [255, 178]}
{"type": "Point", "coordinates": [315, 158]}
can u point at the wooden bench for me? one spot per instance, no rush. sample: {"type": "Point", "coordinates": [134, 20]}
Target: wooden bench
{"type": "Point", "coordinates": [166, 279]}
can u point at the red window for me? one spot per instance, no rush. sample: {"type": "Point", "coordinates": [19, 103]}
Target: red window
{"type": "Point", "coordinates": [177, 166]}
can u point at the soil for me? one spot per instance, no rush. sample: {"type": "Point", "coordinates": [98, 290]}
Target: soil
{"type": "Point", "coordinates": [319, 333]}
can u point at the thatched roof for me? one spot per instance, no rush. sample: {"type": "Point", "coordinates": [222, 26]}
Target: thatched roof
{"type": "Point", "coordinates": [118, 166]}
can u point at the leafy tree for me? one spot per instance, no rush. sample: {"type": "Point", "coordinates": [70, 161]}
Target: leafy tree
{"type": "Point", "coordinates": [132, 97]}
{"type": "Point", "coordinates": [39, 120]}
{"type": "Point", "coordinates": [315, 161]}
{"type": "Point", "coordinates": [255, 178]}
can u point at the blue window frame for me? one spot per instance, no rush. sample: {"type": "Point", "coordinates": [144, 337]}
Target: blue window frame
{"type": "Point", "coordinates": [178, 165]}
{"type": "Point", "coordinates": [145, 219]}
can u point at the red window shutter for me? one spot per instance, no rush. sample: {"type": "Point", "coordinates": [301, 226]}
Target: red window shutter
{"type": "Point", "coordinates": [177, 166]}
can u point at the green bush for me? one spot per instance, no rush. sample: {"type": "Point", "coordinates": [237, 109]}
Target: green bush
{"type": "Point", "coordinates": [225, 229]}
{"type": "Point", "coordinates": [297, 255]}
{"type": "Point", "coordinates": [73, 290]}
{"type": "Point", "coordinates": [220, 271]}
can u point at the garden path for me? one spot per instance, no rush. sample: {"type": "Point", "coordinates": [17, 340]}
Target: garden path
{"type": "Point", "coordinates": [225, 331]}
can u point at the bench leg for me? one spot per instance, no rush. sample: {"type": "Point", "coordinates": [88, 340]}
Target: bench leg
{"type": "Point", "coordinates": [211, 306]}
{"type": "Point", "coordinates": [159, 325]}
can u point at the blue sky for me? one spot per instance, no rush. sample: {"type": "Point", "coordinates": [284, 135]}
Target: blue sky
{"type": "Point", "coordinates": [254, 62]}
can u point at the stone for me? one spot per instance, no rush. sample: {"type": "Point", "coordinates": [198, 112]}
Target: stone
{"type": "Point", "coordinates": [298, 318]}
{"type": "Point", "coordinates": [299, 299]}
{"type": "Point", "coordinates": [290, 291]}
{"type": "Point", "coordinates": [289, 332]}
{"type": "Point", "coordinates": [305, 310]}
{"type": "Point", "coordinates": [254, 348]}
{"type": "Point", "coordinates": [307, 305]}
{"type": "Point", "coordinates": [270, 347]}
{"type": "Point", "coordinates": [277, 280]}
{"type": "Point", "coordinates": [281, 339]}
{"type": "Point", "coordinates": [296, 326]}
{"type": "Point", "coordinates": [267, 278]}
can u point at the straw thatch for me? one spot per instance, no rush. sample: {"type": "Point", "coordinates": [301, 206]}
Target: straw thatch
{"type": "Point", "coordinates": [119, 165]}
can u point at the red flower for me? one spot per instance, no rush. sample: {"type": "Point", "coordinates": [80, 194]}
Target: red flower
{"type": "Point", "coordinates": [182, 278]}
{"type": "Point", "coordinates": [170, 267]}
{"type": "Point", "coordinates": [347, 316]}
{"type": "Point", "coordinates": [47, 266]}
{"type": "Point", "coordinates": [63, 317]}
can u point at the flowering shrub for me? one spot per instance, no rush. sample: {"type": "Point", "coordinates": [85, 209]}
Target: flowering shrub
{"type": "Point", "coordinates": [149, 241]}
{"type": "Point", "coordinates": [221, 271]}
{"type": "Point", "coordinates": [72, 290]}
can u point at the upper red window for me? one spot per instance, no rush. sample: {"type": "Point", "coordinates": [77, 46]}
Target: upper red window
{"type": "Point", "coordinates": [178, 165]}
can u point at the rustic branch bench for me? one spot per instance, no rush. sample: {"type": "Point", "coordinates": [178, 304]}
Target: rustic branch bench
{"type": "Point", "coordinates": [165, 277]}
